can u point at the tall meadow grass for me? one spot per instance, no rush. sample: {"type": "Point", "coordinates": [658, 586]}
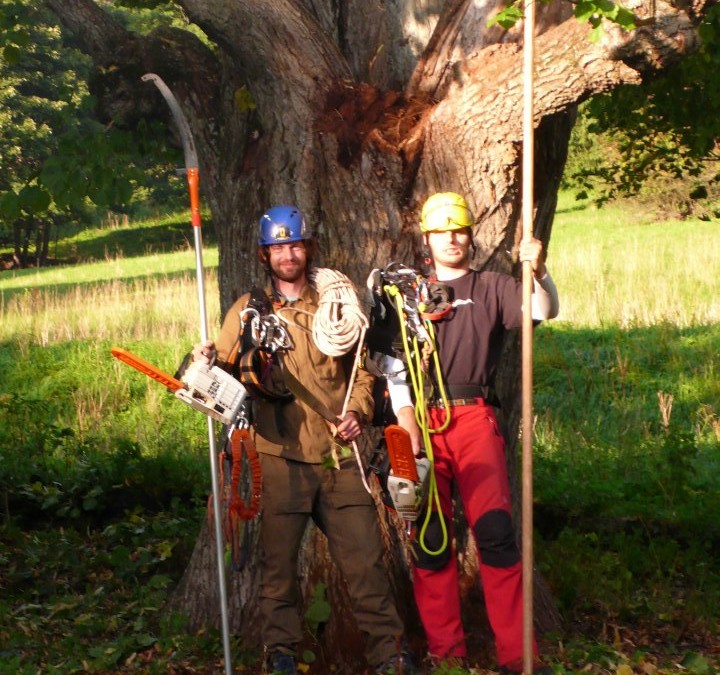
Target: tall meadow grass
{"type": "Point", "coordinates": [122, 299]}
{"type": "Point", "coordinates": [57, 327]}
{"type": "Point", "coordinates": [627, 405]}
{"type": "Point", "coordinates": [617, 267]}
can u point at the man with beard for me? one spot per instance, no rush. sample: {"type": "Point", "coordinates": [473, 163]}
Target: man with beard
{"type": "Point", "coordinates": [469, 451]}
{"type": "Point", "coordinates": [294, 443]}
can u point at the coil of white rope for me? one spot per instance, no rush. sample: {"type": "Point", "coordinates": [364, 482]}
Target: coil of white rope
{"type": "Point", "coordinates": [338, 325]}
{"type": "Point", "coordinates": [339, 321]}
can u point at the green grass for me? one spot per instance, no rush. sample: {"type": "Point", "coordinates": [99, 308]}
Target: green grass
{"type": "Point", "coordinates": [98, 460]}
{"type": "Point", "coordinates": [119, 267]}
{"type": "Point", "coordinates": [626, 270]}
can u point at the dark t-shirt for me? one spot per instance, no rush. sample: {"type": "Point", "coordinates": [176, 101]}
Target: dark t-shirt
{"type": "Point", "coordinates": [469, 338]}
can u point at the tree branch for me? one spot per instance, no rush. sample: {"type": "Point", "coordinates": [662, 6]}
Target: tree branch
{"type": "Point", "coordinates": [94, 28]}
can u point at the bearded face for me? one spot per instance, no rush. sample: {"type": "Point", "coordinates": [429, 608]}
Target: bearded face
{"type": "Point", "coordinates": [288, 262]}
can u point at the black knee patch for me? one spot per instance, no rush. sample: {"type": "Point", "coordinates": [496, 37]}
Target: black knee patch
{"type": "Point", "coordinates": [496, 539]}
{"type": "Point", "coordinates": [432, 539]}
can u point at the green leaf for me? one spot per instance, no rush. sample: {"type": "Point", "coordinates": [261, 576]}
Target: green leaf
{"type": "Point", "coordinates": [243, 99]}
{"type": "Point", "coordinates": [11, 54]}
{"type": "Point", "coordinates": [696, 663]}
{"type": "Point", "coordinates": [34, 199]}
{"type": "Point", "coordinates": [584, 10]}
{"type": "Point", "coordinates": [625, 18]}
{"type": "Point", "coordinates": [9, 205]}
{"type": "Point", "coordinates": [145, 640]}
{"type": "Point", "coordinates": [507, 17]}
{"type": "Point", "coordinates": [319, 609]}
{"type": "Point", "coordinates": [596, 33]}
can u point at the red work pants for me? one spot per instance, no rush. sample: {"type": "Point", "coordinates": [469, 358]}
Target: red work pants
{"type": "Point", "coordinates": [471, 451]}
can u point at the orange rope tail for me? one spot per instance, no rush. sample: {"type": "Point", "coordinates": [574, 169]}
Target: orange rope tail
{"type": "Point", "coordinates": [234, 506]}
{"type": "Point", "coordinates": [240, 440]}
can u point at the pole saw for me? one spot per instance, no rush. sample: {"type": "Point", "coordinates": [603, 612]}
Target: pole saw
{"type": "Point", "coordinates": [192, 173]}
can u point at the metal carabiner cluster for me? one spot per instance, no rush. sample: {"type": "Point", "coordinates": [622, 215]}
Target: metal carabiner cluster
{"type": "Point", "coordinates": [267, 332]}
{"type": "Point", "coordinates": [412, 287]}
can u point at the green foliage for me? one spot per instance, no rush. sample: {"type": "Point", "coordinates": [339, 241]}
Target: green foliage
{"type": "Point", "coordinates": [93, 600]}
{"type": "Point", "coordinates": [593, 12]}
{"type": "Point", "coordinates": [319, 610]}
{"type": "Point", "coordinates": [640, 138]}
{"type": "Point", "coordinates": [14, 36]}
{"type": "Point", "coordinates": [57, 162]}
{"type": "Point", "coordinates": [58, 471]}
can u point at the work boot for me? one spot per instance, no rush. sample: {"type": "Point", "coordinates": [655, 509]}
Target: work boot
{"type": "Point", "coordinates": [399, 664]}
{"type": "Point", "coordinates": [516, 667]}
{"type": "Point", "coordinates": [281, 663]}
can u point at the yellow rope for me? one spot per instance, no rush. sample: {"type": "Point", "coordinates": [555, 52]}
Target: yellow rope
{"type": "Point", "coordinates": [415, 368]}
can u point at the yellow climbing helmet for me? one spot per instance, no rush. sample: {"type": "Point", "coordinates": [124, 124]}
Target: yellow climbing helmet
{"type": "Point", "coordinates": [445, 211]}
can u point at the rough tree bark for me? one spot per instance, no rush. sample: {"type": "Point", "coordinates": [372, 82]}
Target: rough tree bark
{"type": "Point", "coordinates": [360, 110]}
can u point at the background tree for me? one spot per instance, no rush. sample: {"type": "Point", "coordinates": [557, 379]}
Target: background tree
{"type": "Point", "coordinates": [58, 163]}
{"type": "Point", "coordinates": [356, 111]}
{"type": "Point", "coordinates": [657, 141]}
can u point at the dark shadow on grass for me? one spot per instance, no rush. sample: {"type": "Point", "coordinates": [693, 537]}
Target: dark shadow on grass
{"type": "Point", "coordinates": [162, 237]}
{"type": "Point", "coordinates": [166, 236]}
{"type": "Point", "coordinates": [572, 209]}
{"type": "Point", "coordinates": [61, 288]}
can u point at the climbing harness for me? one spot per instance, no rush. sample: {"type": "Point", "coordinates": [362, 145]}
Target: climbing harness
{"type": "Point", "coordinates": [265, 338]}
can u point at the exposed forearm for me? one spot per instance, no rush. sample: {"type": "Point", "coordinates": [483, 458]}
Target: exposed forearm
{"type": "Point", "coordinates": [545, 300]}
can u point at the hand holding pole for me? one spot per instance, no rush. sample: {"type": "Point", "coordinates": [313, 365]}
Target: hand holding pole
{"type": "Point", "coordinates": [527, 330]}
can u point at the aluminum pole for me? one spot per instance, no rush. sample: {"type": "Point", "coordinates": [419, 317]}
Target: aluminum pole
{"type": "Point", "coordinates": [193, 180]}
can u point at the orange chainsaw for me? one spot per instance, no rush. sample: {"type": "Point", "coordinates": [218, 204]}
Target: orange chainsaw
{"type": "Point", "coordinates": [406, 478]}
{"type": "Point", "coordinates": [210, 390]}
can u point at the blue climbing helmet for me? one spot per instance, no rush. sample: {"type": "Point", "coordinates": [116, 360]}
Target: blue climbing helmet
{"type": "Point", "coordinates": [283, 225]}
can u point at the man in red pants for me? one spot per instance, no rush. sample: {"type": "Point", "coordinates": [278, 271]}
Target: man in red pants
{"type": "Point", "coordinates": [471, 452]}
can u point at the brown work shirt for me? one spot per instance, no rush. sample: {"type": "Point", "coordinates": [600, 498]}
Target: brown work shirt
{"type": "Point", "coordinates": [293, 430]}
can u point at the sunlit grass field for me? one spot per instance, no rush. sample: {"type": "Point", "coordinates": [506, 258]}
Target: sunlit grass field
{"type": "Point", "coordinates": [616, 267]}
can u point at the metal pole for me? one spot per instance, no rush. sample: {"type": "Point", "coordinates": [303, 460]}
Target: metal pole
{"type": "Point", "coordinates": [527, 330]}
{"type": "Point", "coordinates": [193, 180]}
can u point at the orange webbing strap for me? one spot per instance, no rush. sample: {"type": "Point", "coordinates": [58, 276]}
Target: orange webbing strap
{"type": "Point", "coordinates": [240, 441]}
{"type": "Point", "coordinates": [252, 372]}
{"type": "Point", "coordinates": [235, 508]}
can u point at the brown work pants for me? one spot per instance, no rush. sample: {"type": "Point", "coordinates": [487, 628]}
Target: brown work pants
{"type": "Point", "coordinates": [336, 500]}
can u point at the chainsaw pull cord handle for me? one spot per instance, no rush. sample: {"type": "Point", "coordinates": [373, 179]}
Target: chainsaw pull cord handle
{"type": "Point", "coordinates": [415, 369]}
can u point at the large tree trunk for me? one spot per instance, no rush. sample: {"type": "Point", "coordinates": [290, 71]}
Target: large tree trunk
{"type": "Point", "coordinates": [361, 109]}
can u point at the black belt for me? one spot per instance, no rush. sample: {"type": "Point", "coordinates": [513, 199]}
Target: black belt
{"type": "Point", "coordinates": [455, 402]}
{"type": "Point", "coordinates": [466, 394]}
